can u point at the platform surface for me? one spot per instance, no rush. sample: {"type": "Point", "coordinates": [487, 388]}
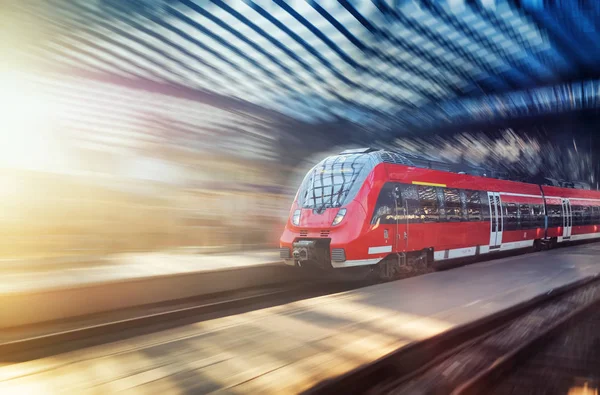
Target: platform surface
{"type": "Point", "coordinates": [126, 267]}
{"type": "Point", "coordinates": [289, 348]}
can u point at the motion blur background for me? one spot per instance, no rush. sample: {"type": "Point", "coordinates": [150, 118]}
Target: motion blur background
{"type": "Point", "coordinates": [187, 125]}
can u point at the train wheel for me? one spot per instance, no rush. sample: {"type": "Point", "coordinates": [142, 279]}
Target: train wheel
{"type": "Point", "coordinates": [420, 263]}
{"type": "Point", "coordinates": [387, 269]}
{"type": "Point", "coordinates": [398, 266]}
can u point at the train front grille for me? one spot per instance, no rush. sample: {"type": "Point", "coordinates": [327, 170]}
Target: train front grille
{"type": "Point", "coordinates": [338, 255]}
{"type": "Point", "coordinates": [284, 253]}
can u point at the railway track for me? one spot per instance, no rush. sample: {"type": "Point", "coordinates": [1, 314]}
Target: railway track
{"type": "Point", "coordinates": [27, 343]}
{"type": "Point", "coordinates": [568, 363]}
{"type": "Point", "coordinates": [477, 358]}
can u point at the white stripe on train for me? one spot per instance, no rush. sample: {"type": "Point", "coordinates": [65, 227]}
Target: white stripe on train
{"type": "Point", "coordinates": [379, 250]}
{"type": "Point", "coordinates": [580, 237]}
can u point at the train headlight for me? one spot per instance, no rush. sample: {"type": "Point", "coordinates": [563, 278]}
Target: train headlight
{"type": "Point", "coordinates": [339, 217]}
{"type": "Point", "coordinates": [296, 217]}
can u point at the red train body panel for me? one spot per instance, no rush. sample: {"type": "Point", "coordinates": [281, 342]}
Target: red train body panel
{"type": "Point", "coordinates": [390, 209]}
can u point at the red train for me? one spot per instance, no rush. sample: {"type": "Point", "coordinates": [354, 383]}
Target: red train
{"type": "Point", "coordinates": [374, 209]}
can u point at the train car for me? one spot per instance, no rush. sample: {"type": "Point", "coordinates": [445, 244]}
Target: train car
{"type": "Point", "coordinates": [375, 210]}
{"type": "Point", "coordinates": [573, 214]}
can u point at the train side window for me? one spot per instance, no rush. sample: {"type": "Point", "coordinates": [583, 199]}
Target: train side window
{"type": "Point", "coordinates": [524, 216]}
{"type": "Point", "coordinates": [429, 205]}
{"type": "Point", "coordinates": [586, 215]}
{"type": "Point", "coordinates": [463, 205]}
{"type": "Point", "coordinates": [511, 219]}
{"type": "Point", "coordinates": [485, 206]}
{"type": "Point", "coordinates": [386, 211]}
{"type": "Point", "coordinates": [558, 216]}
{"type": "Point", "coordinates": [596, 217]}
{"type": "Point", "coordinates": [554, 215]}
{"type": "Point", "coordinates": [577, 213]}
{"type": "Point", "coordinates": [411, 201]}
{"type": "Point", "coordinates": [384, 208]}
{"type": "Point", "coordinates": [537, 216]}
{"type": "Point", "coordinates": [453, 205]}
{"type": "Point", "coordinates": [474, 206]}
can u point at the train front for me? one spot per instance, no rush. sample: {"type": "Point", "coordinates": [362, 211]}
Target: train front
{"type": "Point", "coordinates": [328, 214]}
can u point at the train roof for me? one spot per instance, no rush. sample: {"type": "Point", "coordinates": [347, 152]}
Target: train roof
{"type": "Point", "coordinates": [410, 159]}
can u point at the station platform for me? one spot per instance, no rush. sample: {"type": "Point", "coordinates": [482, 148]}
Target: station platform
{"type": "Point", "coordinates": [60, 273]}
{"type": "Point", "coordinates": [290, 348]}
{"type": "Point", "coordinates": [43, 293]}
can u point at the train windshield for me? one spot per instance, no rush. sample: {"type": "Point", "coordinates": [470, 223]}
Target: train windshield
{"type": "Point", "coordinates": [335, 181]}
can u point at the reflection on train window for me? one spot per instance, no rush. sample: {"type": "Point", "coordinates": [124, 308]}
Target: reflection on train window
{"type": "Point", "coordinates": [554, 215]}
{"type": "Point", "coordinates": [453, 205]}
{"type": "Point", "coordinates": [577, 213]}
{"type": "Point", "coordinates": [385, 206]}
{"type": "Point", "coordinates": [596, 216]}
{"type": "Point", "coordinates": [537, 216]}
{"type": "Point", "coordinates": [485, 205]}
{"type": "Point", "coordinates": [334, 182]}
{"type": "Point", "coordinates": [524, 216]}
{"type": "Point", "coordinates": [511, 219]}
{"type": "Point", "coordinates": [429, 207]}
{"type": "Point", "coordinates": [411, 202]}
{"type": "Point", "coordinates": [407, 209]}
{"type": "Point", "coordinates": [473, 203]}
{"type": "Point", "coordinates": [586, 215]}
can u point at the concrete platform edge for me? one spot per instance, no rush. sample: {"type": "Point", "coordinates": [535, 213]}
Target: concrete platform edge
{"type": "Point", "coordinates": [37, 306]}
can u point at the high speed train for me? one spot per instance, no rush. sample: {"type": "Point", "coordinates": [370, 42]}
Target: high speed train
{"type": "Point", "coordinates": [373, 209]}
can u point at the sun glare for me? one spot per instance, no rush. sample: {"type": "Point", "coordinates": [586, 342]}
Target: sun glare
{"type": "Point", "coordinates": [26, 124]}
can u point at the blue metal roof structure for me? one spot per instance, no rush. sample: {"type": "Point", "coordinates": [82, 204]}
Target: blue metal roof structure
{"type": "Point", "coordinates": [408, 63]}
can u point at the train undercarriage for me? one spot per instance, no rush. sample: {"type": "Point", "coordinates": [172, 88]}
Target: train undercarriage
{"type": "Point", "coordinates": [315, 255]}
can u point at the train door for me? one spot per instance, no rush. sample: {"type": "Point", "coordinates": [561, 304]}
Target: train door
{"type": "Point", "coordinates": [386, 216]}
{"type": "Point", "coordinates": [401, 211]}
{"type": "Point", "coordinates": [567, 219]}
{"type": "Point", "coordinates": [496, 220]}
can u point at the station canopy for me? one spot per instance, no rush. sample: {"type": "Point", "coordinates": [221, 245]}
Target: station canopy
{"type": "Point", "coordinates": [411, 63]}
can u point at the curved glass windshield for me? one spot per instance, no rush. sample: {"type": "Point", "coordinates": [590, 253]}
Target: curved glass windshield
{"type": "Point", "coordinates": [335, 181]}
